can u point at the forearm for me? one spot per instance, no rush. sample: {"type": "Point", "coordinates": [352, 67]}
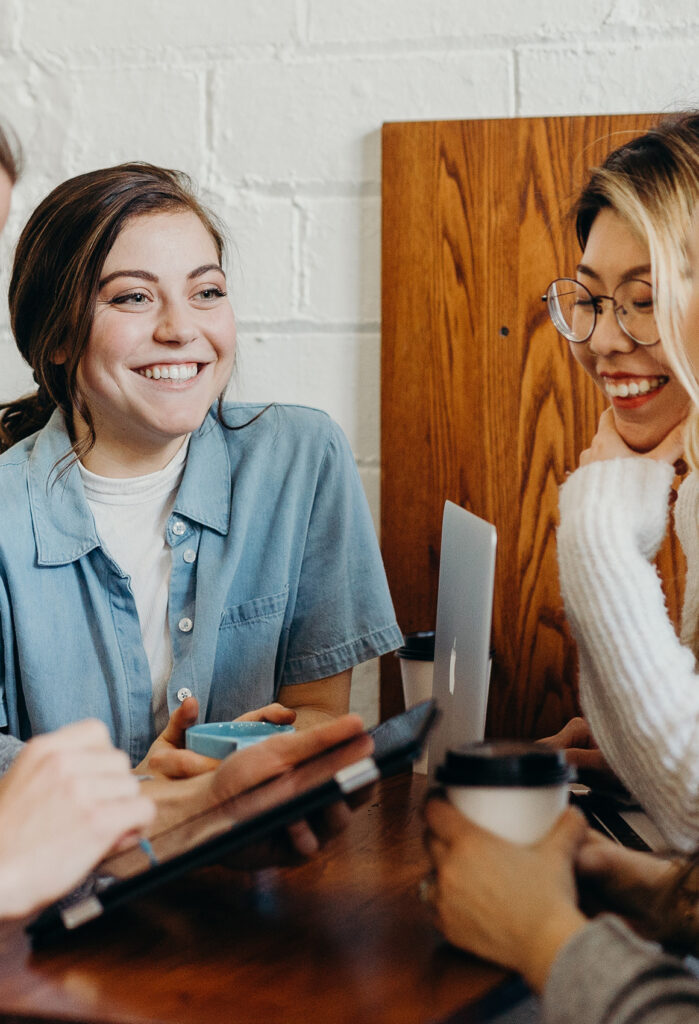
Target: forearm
{"type": "Point", "coordinates": [606, 973]}
{"type": "Point", "coordinates": [636, 678]}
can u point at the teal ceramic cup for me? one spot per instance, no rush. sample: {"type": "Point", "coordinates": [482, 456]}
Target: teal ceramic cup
{"type": "Point", "coordinates": [219, 739]}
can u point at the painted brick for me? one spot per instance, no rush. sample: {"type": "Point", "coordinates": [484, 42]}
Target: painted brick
{"type": "Point", "coordinates": [138, 114]}
{"type": "Point", "coordinates": [334, 21]}
{"type": "Point", "coordinates": [341, 257]}
{"type": "Point", "coordinates": [680, 13]}
{"type": "Point", "coordinates": [9, 21]}
{"type": "Point", "coordinates": [100, 26]}
{"type": "Point", "coordinates": [613, 79]}
{"type": "Point", "coordinates": [318, 120]}
{"type": "Point", "coordinates": [38, 104]}
{"type": "Point", "coordinates": [261, 257]}
{"type": "Point", "coordinates": [338, 373]}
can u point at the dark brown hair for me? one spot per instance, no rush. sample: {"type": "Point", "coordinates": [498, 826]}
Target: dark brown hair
{"type": "Point", "coordinates": [649, 166]}
{"type": "Point", "coordinates": [55, 280]}
{"type": "Point", "coordinates": [10, 155]}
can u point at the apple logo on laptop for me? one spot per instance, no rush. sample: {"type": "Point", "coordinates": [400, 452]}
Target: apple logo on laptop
{"type": "Point", "coordinates": [452, 667]}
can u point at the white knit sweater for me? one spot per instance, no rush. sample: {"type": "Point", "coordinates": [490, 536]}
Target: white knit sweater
{"type": "Point", "coordinates": [639, 685]}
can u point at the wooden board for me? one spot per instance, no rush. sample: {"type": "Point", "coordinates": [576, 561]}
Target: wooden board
{"type": "Point", "coordinates": [482, 402]}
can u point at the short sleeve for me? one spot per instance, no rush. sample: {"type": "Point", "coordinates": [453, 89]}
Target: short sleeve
{"type": "Point", "coordinates": [343, 614]}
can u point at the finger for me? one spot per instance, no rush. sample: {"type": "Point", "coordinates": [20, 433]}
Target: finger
{"type": "Point", "coordinates": [275, 713]}
{"type": "Point", "coordinates": [445, 821]}
{"type": "Point", "coordinates": [436, 848]}
{"type": "Point", "coordinates": [180, 720]}
{"type": "Point", "coordinates": [246, 768]}
{"type": "Point", "coordinates": [120, 820]}
{"type": "Point", "coordinates": [671, 448]}
{"type": "Point", "coordinates": [569, 832]}
{"type": "Point", "coordinates": [592, 760]}
{"type": "Point", "coordinates": [182, 764]}
{"type": "Point", "coordinates": [302, 839]}
{"type": "Point", "coordinates": [575, 733]}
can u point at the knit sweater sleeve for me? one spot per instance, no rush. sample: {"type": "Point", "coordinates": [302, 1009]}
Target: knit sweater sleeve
{"type": "Point", "coordinates": [638, 684]}
{"type": "Point", "coordinates": [607, 975]}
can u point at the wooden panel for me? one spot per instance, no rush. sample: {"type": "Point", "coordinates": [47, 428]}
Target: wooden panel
{"type": "Point", "coordinates": [482, 402]}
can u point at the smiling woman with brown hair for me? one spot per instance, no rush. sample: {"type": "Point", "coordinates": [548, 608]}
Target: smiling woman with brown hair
{"type": "Point", "coordinates": [168, 544]}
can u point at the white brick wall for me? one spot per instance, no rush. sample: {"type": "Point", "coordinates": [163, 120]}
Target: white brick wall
{"type": "Point", "coordinates": [275, 106]}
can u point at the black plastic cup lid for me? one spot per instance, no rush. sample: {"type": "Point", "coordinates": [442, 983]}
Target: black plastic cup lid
{"type": "Point", "coordinates": [417, 646]}
{"type": "Point", "coordinates": [505, 763]}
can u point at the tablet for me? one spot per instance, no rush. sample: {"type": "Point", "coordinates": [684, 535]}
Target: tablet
{"type": "Point", "coordinates": [240, 821]}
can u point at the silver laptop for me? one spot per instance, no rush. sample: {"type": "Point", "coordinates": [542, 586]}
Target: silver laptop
{"type": "Point", "coordinates": [462, 638]}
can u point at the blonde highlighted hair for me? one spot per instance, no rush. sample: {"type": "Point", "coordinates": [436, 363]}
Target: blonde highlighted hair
{"type": "Point", "coordinates": [652, 182]}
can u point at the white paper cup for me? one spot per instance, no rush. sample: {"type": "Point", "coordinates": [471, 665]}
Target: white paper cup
{"type": "Point", "coordinates": [416, 670]}
{"type": "Point", "coordinates": [516, 790]}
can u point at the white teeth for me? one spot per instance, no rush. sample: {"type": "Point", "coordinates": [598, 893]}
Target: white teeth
{"type": "Point", "coordinates": [634, 387]}
{"type": "Point", "coordinates": [170, 371]}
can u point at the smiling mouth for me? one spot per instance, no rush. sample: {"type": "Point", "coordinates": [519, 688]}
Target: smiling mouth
{"type": "Point", "coordinates": [169, 371]}
{"type": "Point", "coordinates": [634, 387]}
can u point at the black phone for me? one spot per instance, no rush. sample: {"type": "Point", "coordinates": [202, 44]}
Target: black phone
{"type": "Point", "coordinates": [240, 821]}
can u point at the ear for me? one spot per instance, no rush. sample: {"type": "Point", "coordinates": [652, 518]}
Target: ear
{"type": "Point", "coordinates": [58, 357]}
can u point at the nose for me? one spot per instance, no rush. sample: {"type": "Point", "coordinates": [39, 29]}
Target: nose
{"type": "Point", "coordinates": [175, 325]}
{"type": "Point", "coordinates": [608, 337]}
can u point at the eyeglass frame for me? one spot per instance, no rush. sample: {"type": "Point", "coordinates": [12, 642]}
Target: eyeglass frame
{"type": "Point", "coordinates": [595, 299]}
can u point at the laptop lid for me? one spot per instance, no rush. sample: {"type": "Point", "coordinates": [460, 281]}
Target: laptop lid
{"type": "Point", "coordinates": [462, 636]}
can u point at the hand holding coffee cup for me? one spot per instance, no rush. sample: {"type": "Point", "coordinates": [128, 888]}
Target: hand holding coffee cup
{"type": "Point", "coordinates": [516, 790]}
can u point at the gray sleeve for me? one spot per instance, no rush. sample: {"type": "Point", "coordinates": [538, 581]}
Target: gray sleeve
{"type": "Point", "coordinates": [608, 975]}
{"type": "Point", "coordinates": [9, 748]}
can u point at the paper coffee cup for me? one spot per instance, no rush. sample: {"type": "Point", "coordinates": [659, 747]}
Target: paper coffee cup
{"type": "Point", "coordinates": [416, 670]}
{"type": "Point", "coordinates": [516, 790]}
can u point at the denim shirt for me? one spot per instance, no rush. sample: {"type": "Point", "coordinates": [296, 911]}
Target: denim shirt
{"type": "Point", "coordinates": [276, 579]}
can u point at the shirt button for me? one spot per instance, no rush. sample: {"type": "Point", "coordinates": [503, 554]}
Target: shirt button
{"type": "Point", "coordinates": [189, 555]}
{"type": "Point", "coordinates": [178, 528]}
{"type": "Point", "coordinates": [185, 625]}
{"type": "Point", "coordinates": [183, 693]}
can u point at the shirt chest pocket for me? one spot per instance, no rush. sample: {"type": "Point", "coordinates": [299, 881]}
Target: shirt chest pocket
{"type": "Point", "coordinates": [249, 650]}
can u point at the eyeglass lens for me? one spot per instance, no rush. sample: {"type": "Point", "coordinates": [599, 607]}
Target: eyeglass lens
{"type": "Point", "coordinates": [574, 309]}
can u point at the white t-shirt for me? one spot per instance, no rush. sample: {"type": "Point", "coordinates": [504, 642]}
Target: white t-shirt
{"type": "Point", "coordinates": [131, 517]}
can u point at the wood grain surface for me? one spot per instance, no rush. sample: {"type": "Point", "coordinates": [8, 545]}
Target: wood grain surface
{"type": "Point", "coordinates": [342, 939]}
{"type": "Point", "coordinates": [482, 403]}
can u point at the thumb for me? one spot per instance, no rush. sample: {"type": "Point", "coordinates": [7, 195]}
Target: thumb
{"type": "Point", "coordinates": [671, 447]}
{"type": "Point", "coordinates": [180, 720]}
{"type": "Point", "coordinates": [568, 833]}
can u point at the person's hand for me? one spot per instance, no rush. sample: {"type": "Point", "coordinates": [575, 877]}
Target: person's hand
{"type": "Point", "coordinates": [68, 798]}
{"type": "Point", "coordinates": [167, 754]}
{"type": "Point", "coordinates": [608, 444]}
{"type": "Point", "coordinates": [277, 755]}
{"type": "Point", "coordinates": [642, 887]}
{"type": "Point", "coordinates": [515, 905]}
{"type": "Point", "coordinates": [583, 753]}
{"type": "Point", "coordinates": [243, 770]}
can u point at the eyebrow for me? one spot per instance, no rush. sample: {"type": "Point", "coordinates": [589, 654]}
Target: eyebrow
{"type": "Point", "coordinates": [145, 275]}
{"type": "Point", "coordinates": [643, 268]}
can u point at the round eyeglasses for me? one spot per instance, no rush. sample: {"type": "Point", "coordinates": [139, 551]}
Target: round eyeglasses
{"type": "Point", "coordinates": [574, 309]}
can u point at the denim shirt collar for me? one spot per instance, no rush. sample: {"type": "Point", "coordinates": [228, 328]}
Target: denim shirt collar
{"type": "Point", "coordinates": [64, 528]}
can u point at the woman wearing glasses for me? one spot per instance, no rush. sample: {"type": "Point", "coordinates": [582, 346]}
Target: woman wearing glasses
{"type": "Point", "coordinates": [638, 683]}
{"type": "Point", "coordinates": [518, 905]}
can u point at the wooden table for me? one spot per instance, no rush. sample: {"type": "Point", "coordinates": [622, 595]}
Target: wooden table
{"type": "Point", "coordinates": [340, 939]}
